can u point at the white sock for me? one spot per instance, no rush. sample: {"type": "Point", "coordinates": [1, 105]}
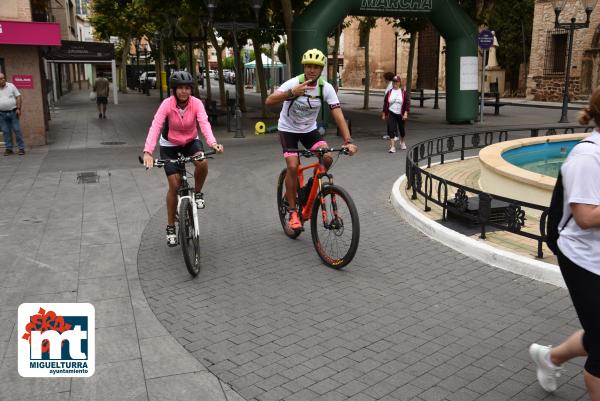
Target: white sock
{"type": "Point", "coordinates": [549, 361]}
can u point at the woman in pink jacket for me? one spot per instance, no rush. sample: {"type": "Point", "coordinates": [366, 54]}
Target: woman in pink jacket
{"type": "Point", "coordinates": [178, 122]}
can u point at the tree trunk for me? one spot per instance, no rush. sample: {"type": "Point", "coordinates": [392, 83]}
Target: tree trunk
{"type": "Point", "coordinates": [367, 72]}
{"type": "Point", "coordinates": [260, 72]}
{"type": "Point", "coordinates": [411, 58]}
{"type": "Point", "coordinates": [192, 67]}
{"type": "Point", "coordinates": [124, 55]}
{"type": "Point", "coordinates": [206, 72]}
{"type": "Point", "coordinates": [218, 49]}
{"type": "Point", "coordinates": [288, 19]}
{"type": "Point", "coordinates": [336, 50]}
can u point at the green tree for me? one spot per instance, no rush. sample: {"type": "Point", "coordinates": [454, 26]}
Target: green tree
{"type": "Point", "coordinates": [412, 25]}
{"type": "Point", "coordinates": [513, 24]}
{"type": "Point", "coordinates": [282, 53]}
{"type": "Point", "coordinates": [126, 19]}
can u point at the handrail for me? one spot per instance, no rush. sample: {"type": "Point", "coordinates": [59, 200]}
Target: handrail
{"type": "Point", "coordinates": [514, 213]}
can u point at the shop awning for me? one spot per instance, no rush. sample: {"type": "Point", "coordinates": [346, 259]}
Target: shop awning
{"type": "Point", "coordinates": [29, 33]}
{"type": "Point", "coordinates": [82, 52]}
{"type": "Point", "coordinates": [267, 63]}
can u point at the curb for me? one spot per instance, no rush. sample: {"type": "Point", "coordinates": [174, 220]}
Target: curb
{"type": "Point", "coordinates": [535, 269]}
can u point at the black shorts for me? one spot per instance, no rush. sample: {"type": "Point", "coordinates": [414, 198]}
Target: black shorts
{"type": "Point", "coordinates": [289, 140]}
{"type": "Point", "coordinates": [172, 152]}
{"type": "Point", "coordinates": [584, 287]}
{"type": "Point", "coordinates": [101, 99]}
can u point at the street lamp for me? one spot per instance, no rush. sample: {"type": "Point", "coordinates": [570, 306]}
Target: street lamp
{"type": "Point", "coordinates": [572, 26]}
{"type": "Point", "coordinates": [235, 27]}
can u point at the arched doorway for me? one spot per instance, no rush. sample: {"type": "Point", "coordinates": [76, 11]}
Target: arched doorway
{"type": "Point", "coordinates": [322, 16]}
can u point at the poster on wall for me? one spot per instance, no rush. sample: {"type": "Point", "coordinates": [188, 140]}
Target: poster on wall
{"type": "Point", "coordinates": [468, 73]}
{"type": "Point", "coordinates": [23, 81]}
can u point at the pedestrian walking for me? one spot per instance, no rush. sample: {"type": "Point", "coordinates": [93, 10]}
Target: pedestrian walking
{"type": "Point", "coordinates": [10, 113]}
{"type": "Point", "coordinates": [396, 106]}
{"type": "Point", "coordinates": [579, 260]}
{"type": "Point", "coordinates": [388, 76]}
{"type": "Point", "coordinates": [101, 88]}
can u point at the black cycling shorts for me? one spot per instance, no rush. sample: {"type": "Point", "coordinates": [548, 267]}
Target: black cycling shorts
{"type": "Point", "coordinates": [289, 140]}
{"type": "Point", "coordinates": [584, 287]}
{"type": "Point", "coordinates": [172, 152]}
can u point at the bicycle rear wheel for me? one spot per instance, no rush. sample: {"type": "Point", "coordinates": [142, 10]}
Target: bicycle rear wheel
{"type": "Point", "coordinates": [334, 226]}
{"type": "Point", "coordinates": [190, 243]}
{"type": "Point", "coordinates": [283, 206]}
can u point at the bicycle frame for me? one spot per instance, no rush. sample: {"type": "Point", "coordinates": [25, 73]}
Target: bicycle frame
{"type": "Point", "coordinates": [185, 188]}
{"type": "Point", "coordinates": [319, 172]}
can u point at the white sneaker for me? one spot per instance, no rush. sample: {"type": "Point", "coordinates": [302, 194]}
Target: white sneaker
{"type": "Point", "coordinates": [171, 236]}
{"type": "Point", "coordinates": [395, 139]}
{"type": "Point", "coordinates": [199, 198]}
{"type": "Point", "coordinates": [403, 145]}
{"type": "Point", "coordinates": [386, 137]}
{"type": "Point", "coordinates": [547, 372]}
{"type": "Point", "coordinates": [392, 149]}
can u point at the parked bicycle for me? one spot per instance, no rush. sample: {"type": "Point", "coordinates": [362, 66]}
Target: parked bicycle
{"type": "Point", "coordinates": [336, 233]}
{"type": "Point", "coordinates": [186, 219]}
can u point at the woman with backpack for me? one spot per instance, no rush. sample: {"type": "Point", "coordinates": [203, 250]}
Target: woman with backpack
{"type": "Point", "coordinates": [578, 255]}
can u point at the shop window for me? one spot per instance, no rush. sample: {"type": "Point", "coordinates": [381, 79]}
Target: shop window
{"type": "Point", "coordinates": [556, 52]}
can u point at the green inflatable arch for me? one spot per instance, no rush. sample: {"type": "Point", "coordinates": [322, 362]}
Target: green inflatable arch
{"type": "Point", "coordinates": [322, 16]}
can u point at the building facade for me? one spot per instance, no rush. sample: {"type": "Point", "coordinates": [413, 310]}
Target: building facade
{"type": "Point", "coordinates": [549, 47]}
{"type": "Point", "coordinates": [24, 34]}
{"type": "Point", "coordinates": [383, 48]}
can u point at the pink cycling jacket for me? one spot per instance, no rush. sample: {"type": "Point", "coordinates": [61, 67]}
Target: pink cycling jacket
{"type": "Point", "coordinates": [182, 129]}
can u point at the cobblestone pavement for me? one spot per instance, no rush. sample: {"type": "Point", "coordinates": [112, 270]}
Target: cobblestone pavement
{"type": "Point", "coordinates": [408, 319]}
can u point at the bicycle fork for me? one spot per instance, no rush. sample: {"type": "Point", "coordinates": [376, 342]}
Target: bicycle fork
{"type": "Point", "coordinates": [335, 222]}
{"type": "Point", "coordinates": [194, 212]}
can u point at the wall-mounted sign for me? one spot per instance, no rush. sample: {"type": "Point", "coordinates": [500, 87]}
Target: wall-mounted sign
{"type": "Point", "coordinates": [468, 73]}
{"type": "Point", "coordinates": [396, 5]}
{"type": "Point", "coordinates": [82, 51]}
{"type": "Point", "coordinates": [23, 81]}
{"type": "Point", "coordinates": [29, 33]}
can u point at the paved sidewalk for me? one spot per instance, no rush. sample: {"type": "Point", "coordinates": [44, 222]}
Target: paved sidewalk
{"type": "Point", "coordinates": [62, 241]}
{"type": "Point", "coordinates": [379, 324]}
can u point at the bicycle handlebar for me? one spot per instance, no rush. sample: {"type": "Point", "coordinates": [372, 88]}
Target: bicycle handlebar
{"type": "Point", "coordinates": [318, 152]}
{"type": "Point", "coordinates": [181, 159]}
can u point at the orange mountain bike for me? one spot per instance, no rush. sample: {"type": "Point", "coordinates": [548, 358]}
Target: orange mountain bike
{"type": "Point", "coordinates": [334, 224]}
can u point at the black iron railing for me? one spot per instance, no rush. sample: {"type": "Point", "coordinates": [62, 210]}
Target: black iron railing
{"type": "Point", "coordinates": [482, 208]}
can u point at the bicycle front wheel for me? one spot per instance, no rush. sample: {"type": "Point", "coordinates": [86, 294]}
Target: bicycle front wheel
{"type": "Point", "coordinates": [190, 243]}
{"type": "Point", "coordinates": [283, 206]}
{"type": "Point", "coordinates": [335, 227]}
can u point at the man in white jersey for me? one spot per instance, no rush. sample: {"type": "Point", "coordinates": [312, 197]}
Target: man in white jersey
{"type": "Point", "coordinates": [303, 97]}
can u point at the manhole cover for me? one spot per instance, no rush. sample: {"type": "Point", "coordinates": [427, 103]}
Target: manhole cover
{"type": "Point", "coordinates": [87, 177]}
{"type": "Point", "coordinates": [112, 143]}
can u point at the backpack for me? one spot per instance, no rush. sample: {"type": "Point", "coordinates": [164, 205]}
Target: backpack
{"type": "Point", "coordinates": [555, 213]}
{"type": "Point", "coordinates": [321, 85]}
